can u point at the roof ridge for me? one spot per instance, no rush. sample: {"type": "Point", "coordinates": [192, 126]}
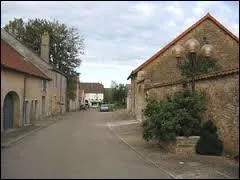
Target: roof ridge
{"type": "Point", "coordinates": [42, 75]}
{"type": "Point", "coordinates": [31, 50]}
{"type": "Point", "coordinates": [207, 16]}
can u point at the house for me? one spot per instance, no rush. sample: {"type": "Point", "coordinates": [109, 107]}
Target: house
{"type": "Point", "coordinates": [129, 96]}
{"type": "Point", "coordinates": [54, 100]}
{"type": "Point", "coordinates": [74, 105]}
{"type": "Point", "coordinates": [94, 93]}
{"type": "Point", "coordinates": [158, 76]}
{"type": "Point", "coordinates": [81, 96]}
{"type": "Point", "coordinates": [22, 87]}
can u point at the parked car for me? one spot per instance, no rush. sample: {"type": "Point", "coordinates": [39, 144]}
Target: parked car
{"type": "Point", "coordinates": [105, 108]}
{"type": "Point", "coordinates": [83, 106]}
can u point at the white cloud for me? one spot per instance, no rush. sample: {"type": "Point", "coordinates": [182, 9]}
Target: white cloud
{"type": "Point", "coordinates": [235, 29]}
{"type": "Point", "coordinates": [145, 8]}
{"type": "Point", "coordinates": [199, 11]}
{"type": "Point", "coordinates": [176, 12]}
{"type": "Point", "coordinates": [121, 35]}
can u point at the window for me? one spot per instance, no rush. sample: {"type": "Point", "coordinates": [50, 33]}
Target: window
{"type": "Point", "coordinates": [44, 85]}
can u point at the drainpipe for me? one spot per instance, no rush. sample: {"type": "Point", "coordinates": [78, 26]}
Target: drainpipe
{"type": "Point", "coordinates": [61, 94]}
{"type": "Point", "coordinates": [24, 97]}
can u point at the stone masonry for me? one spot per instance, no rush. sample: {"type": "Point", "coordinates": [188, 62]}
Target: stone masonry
{"type": "Point", "coordinates": [222, 91]}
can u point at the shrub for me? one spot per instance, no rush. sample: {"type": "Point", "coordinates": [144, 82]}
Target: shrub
{"type": "Point", "coordinates": [209, 143]}
{"type": "Point", "coordinates": [119, 106]}
{"type": "Point", "coordinates": [177, 115]}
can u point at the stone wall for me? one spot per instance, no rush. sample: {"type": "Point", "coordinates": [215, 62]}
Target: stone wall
{"type": "Point", "coordinates": [222, 105]}
{"type": "Point", "coordinates": [226, 52]}
{"type": "Point", "coordinates": [222, 92]}
{"type": "Point", "coordinates": [182, 145]}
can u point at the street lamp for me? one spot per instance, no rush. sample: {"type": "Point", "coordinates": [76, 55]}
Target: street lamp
{"type": "Point", "coordinates": [192, 46]}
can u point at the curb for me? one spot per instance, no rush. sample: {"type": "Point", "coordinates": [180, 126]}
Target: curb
{"type": "Point", "coordinates": [142, 155]}
{"type": "Point", "coordinates": [7, 144]}
{"type": "Point", "coordinates": [155, 164]}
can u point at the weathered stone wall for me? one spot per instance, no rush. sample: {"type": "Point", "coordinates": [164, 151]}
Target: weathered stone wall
{"type": "Point", "coordinates": [129, 99]}
{"type": "Point", "coordinates": [226, 51]}
{"type": "Point", "coordinates": [222, 92]}
{"type": "Point", "coordinates": [222, 105]}
{"type": "Point", "coordinates": [182, 145]}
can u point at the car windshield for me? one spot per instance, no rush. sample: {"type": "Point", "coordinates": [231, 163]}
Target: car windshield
{"type": "Point", "coordinates": [104, 105]}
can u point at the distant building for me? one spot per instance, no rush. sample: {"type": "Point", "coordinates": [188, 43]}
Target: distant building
{"type": "Point", "coordinates": [129, 96]}
{"type": "Point", "coordinates": [74, 105]}
{"type": "Point", "coordinates": [93, 93]}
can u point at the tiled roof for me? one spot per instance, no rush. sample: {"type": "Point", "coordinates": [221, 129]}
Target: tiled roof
{"type": "Point", "coordinates": [92, 87]}
{"type": "Point", "coordinates": [11, 59]}
{"type": "Point", "coordinates": [32, 51]}
{"type": "Point", "coordinates": [208, 16]}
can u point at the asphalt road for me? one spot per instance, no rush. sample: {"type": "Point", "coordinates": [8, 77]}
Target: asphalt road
{"type": "Point", "coordinates": [80, 146]}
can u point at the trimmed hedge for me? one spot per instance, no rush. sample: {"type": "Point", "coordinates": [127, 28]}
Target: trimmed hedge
{"type": "Point", "coordinates": [177, 115]}
{"type": "Point", "coordinates": [209, 143]}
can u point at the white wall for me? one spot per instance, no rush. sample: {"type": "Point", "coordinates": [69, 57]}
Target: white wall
{"type": "Point", "coordinates": [94, 97]}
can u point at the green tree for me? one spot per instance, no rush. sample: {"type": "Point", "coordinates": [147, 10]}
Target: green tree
{"type": "Point", "coordinates": [66, 44]}
{"type": "Point", "coordinates": [194, 64]}
{"type": "Point", "coordinates": [108, 95]}
{"type": "Point", "coordinates": [119, 92]}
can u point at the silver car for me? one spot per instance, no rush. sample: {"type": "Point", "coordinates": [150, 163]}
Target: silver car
{"type": "Point", "coordinates": [105, 108]}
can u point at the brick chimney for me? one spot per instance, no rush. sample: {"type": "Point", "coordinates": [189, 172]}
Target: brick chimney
{"type": "Point", "coordinates": [45, 47]}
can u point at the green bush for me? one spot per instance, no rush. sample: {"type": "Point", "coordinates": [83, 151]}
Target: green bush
{"type": "Point", "coordinates": [209, 143]}
{"type": "Point", "coordinates": [177, 115]}
{"type": "Point", "coordinates": [119, 106]}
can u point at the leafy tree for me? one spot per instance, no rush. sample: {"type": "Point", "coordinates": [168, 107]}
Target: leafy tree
{"type": "Point", "coordinates": [192, 66]}
{"type": "Point", "coordinates": [119, 92]}
{"type": "Point", "coordinates": [65, 43]}
{"type": "Point", "coordinates": [108, 98]}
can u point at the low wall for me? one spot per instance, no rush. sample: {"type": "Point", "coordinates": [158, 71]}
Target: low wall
{"type": "Point", "coordinates": [182, 145]}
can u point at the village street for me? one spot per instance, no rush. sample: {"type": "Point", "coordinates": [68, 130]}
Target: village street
{"type": "Point", "coordinates": [79, 146]}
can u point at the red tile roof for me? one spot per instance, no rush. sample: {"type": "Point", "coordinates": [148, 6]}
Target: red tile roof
{"type": "Point", "coordinates": [207, 16]}
{"type": "Point", "coordinates": [92, 87]}
{"type": "Point", "coordinates": [11, 59]}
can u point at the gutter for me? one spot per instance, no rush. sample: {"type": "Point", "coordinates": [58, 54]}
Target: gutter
{"type": "Point", "coordinates": [24, 98]}
{"type": "Point", "coordinates": [61, 94]}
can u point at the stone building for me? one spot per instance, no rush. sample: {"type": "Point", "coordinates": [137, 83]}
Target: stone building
{"type": "Point", "coordinates": [93, 92]}
{"type": "Point", "coordinates": [22, 87]}
{"type": "Point", "coordinates": [74, 105]}
{"type": "Point", "coordinates": [129, 96]}
{"type": "Point", "coordinates": [159, 76]}
{"type": "Point", "coordinates": [54, 100]}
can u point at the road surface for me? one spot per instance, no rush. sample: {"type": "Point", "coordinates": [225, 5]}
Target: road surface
{"type": "Point", "coordinates": [80, 146]}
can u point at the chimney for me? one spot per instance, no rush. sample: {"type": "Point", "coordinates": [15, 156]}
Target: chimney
{"type": "Point", "coordinates": [45, 47]}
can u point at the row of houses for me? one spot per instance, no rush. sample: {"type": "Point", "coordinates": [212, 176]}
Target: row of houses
{"type": "Point", "coordinates": [159, 76]}
{"type": "Point", "coordinates": [31, 87]}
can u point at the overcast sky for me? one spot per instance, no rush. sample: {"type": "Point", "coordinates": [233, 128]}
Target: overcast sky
{"type": "Point", "coordinates": [120, 36]}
